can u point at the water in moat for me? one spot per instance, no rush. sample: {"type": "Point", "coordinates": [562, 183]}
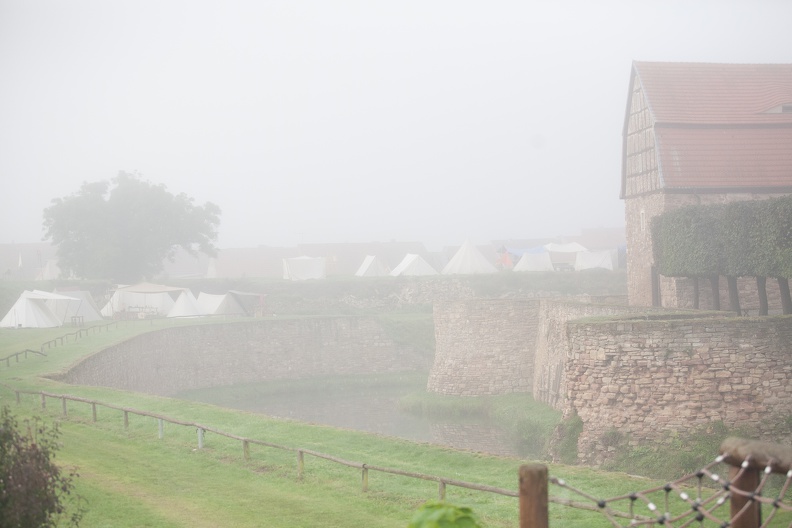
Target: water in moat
{"type": "Point", "coordinates": [372, 408]}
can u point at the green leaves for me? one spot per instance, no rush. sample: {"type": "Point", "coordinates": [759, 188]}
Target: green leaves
{"type": "Point", "coordinates": [434, 514]}
{"type": "Point", "coordinates": [124, 229]}
{"type": "Point", "coordinates": [739, 239]}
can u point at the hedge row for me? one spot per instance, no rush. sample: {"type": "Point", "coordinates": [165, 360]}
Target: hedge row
{"type": "Point", "coordinates": [740, 239]}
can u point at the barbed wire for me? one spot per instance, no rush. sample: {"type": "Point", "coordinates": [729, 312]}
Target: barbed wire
{"type": "Point", "coordinates": [704, 498]}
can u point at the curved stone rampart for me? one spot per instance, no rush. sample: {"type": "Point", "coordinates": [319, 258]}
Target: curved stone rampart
{"type": "Point", "coordinates": [483, 347]}
{"type": "Point", "coordinates": [171, 360]}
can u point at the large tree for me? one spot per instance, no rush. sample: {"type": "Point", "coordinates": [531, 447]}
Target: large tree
{"type": "Point", "coordinates": [125, 228]}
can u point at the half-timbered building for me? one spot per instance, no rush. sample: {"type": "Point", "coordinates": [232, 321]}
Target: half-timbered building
{"type": "Point", "coordinates": [700, 134]}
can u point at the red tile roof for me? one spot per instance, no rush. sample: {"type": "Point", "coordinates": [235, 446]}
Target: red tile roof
{"type": "Point", "coordinates": [718, 126]}
{"type": "Point", "coordinates": [716, 93]}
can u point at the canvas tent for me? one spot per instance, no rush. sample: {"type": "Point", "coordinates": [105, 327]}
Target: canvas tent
{"type": "Point", "coordinates": [31, 311]}
{"type": "Point", "coordinates": [534, 262]}
{"type": "Point", "coordinates": [372, 266]}
{"type": "Point", "coordinates": [413, 265]}
{"type": "Point", "coordinates": [186, 305]}
{"type": "Point", "coordinates": [230, 303]}
{"type": "Point", "coordinates": [79, 306]}
{"type": "Point", "coordinates": [586, 260]}
{"type": "Point", "coordinates": [468, 260]}
{"type": "Point", "coordinates": [564, 256]}
{"type": "Point", "coordinates": [304, 268]}
{"type": "Point", "coordinates": [141, 300]}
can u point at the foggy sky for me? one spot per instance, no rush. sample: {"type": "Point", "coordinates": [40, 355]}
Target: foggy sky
{"type": "Point", "coordinates": [340, 121]}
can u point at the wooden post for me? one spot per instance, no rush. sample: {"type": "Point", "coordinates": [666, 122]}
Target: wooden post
{"type": "Point", "coordinates": [43, 401]}
{"type": "Point", "coordinates": [93, 411]}
{"type": "Point", "coordinates": [161, 427]}
{"type": "Point", "coordinates": [17, 397]}
{"type": "Point", "coordinates": [63, 401]}
{"type": "Point", "coordinates": [364, 479]}
{"type": "Point", "coordinates": [200, 438]}
{"type": "Point", "coordinates": [533, 496]}
{"type": "Point", "coordinates": [246, 450]}
{"type": "Point", "coordinates": [441, 490]}
{"type": "Point", "coordinates": [126, 420]}
{"type": "Point", "coordinates": [748, 482]}
{"type": "Point", "coordinates": [300, 464]}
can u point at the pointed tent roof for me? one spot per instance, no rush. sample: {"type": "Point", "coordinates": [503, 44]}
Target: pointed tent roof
{"type": "Point", "coordinates": [413, 265]}
{"type": "Point", "coordinates": [372, 266]}
{"type": "Point", "coordinates": [186, 305]}
{"type": "Point", "coordinates": [80, 304]}
{"type": "Point", "coordinates": [31, 311]}
{"type": "Point", "coordinates": [222, 304]}
{"type": "Point", "coordinates": [534, 262]}
{"type": "Point", "coordinates": [468, 260]}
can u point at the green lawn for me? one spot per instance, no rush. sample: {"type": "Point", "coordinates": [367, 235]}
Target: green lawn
{"type": "Point", "coordinates": [131, 477]}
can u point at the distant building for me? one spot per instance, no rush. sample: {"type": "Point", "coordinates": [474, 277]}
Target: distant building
{"type": "Point", "coordinates": [697, 134]}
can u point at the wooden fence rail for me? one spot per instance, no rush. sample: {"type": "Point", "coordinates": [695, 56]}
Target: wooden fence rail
{"type": "Point", "coordinates": [16, 355]}
{"type": "Point", "coordinates": [246, 442]}
{"type": "Point", "coordinates": [77, 335]}
{"type": "Point", "coordinates": [532, 493]}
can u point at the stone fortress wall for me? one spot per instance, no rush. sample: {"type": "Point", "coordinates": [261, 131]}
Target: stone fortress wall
{"type": "Point", "coordinates": [167, 361]}
{"type": "Point", "coordinates": [631, 374]}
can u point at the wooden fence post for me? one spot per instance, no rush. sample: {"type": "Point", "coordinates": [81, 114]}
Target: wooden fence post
{"type": "Point", "coordinates": [17, 397]}
{"type": "Point", "coordinates": [533, 496]}
{"type": "Point", "coordinates": [747, 482]}
{"type": "Point", "coordinates": [126, 420]}
{"type": "Point", "coordinates": [364, 479]}
{"type": "Point", "coordinates": [93, 410]}
{"type": "Point", "coordinates": [441, 490]}
{"type": "Point", "coordinates": [246, 450]}
{"type": "Point", "coordinates": [43, 401]}
{"type": "Point", "coordinates": [200, 438]}
{"type": "Point", "coordinates": [753, 456]}
{"type": "Point", "coordinates": [300, 464]}
{"type": "Point", "coordinates": [63, 401]}
{"type": "Point", "coordinates": [161, 427]}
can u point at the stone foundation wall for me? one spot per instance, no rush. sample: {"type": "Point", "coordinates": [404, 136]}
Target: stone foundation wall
{"type": "Point", "coordinates": [484, 347]}
{"type": "Point", "coordinates": [639, 380]}
{"type": "Point", "coordinates": [167, 361]}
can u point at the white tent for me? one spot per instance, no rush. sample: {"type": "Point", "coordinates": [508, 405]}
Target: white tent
{"type": "Point", "coordinates": [31, 311]}
{"type": "Point", "coordinates": [186, 305]}
{"type": "Point", "coordinates": [143, 299]}
{"type": "Point", "coordinates": [594, 260]}
{"type": "Point", "coordinates": [372, 266]}
{"type": "Point", "coordinates": [572, 247]}
{"type": "Point", "coordinates": [219, 304]}
{"type": "Point", "coordinates": [468, 260]}
{"type": "Point", "coordinates": [79, 305]}
{"type": "Point", "coordinates": [303, 268]}
{"type": "Point", "coordinates": [534, 262]}
{"type": "Point", "coordinates": [413, 265]}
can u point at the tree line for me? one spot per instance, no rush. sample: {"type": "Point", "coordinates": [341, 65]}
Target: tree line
{"type": "Point", "coordinates": [739, 239]}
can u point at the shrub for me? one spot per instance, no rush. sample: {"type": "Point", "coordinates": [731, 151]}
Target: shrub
{"type": "Point", "coordinates": [435, 514]}
{"type": "Point", "coordinates": [34, 492]}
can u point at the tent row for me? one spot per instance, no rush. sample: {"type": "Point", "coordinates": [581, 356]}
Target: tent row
{"type": "Point", "coordinates": [40, 309]}
{"type": "Point", "coordinates": [555, 257]}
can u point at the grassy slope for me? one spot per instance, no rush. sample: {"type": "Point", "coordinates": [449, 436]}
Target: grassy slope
{"type": "Point", "coordinates": [131, 478]}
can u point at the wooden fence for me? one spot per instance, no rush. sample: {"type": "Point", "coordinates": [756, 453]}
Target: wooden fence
{"type": "Point", "coordinates": [532, 492]}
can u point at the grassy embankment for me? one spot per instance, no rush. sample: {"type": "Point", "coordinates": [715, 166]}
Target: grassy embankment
{"type": "Point", "coordinates": [132, 478]}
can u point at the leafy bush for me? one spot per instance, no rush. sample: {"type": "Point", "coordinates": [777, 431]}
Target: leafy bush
{"type": "Point", "coordinates": [435, 514]}
{"type": "Point", "coordinates": [34, 492]}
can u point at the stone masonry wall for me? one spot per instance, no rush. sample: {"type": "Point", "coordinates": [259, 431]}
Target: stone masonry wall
{"type": "Point", "coordinates": [552, 345]}
{"type": "Point", "coordinates": [484, 347]}
{"type": "Point", "coordinates": [167, 361]}
{"type": "Point", "coordinates": [639, 380]}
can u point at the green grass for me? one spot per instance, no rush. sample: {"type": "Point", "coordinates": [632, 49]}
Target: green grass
{"type": "Point", "coordinates": [131, 477]}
